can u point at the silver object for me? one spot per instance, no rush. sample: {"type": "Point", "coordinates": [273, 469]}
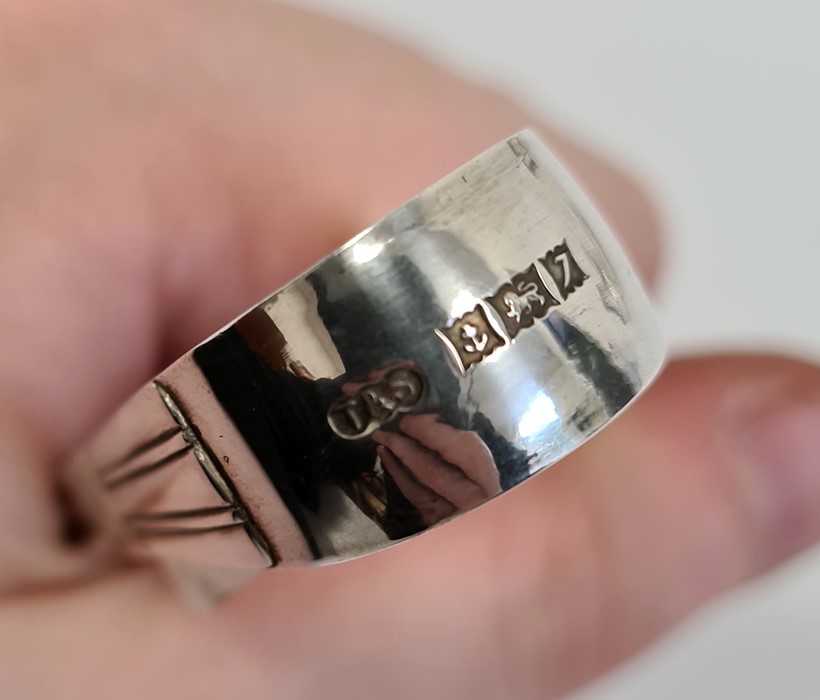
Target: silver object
{"type": "Point", "coordinates": [469, 340]}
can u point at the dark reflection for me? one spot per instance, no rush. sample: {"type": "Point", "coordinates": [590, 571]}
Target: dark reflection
{"type": "Point", "coordinates": [612, 386]}
{"type": "Point", "coordinates": [420, 462]}
{"type": "Point", "coordinates": [401, 328]}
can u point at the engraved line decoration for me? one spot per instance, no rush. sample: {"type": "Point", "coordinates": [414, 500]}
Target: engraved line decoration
{"type": "Point", "coordinates": [518, 304]}
{"type": "Point", "coordinates": [141, 449]}
{"type": "Point", "coordinates": [216, 476]}
{"type": "Point", "coordinates": [371, 405]}
{"type": "Point", "coordinates": [189, 522]}
{"type": "Point", "coordinates": [192, 438]}
{"type": "Point", "coordinates": [180, 514]}
{"type": "Point", "coordinates": [115, 481]}
{"type": "Point", "coordinates": [179, 522]}
{"type": "Point", "coordinates": [146, 532]}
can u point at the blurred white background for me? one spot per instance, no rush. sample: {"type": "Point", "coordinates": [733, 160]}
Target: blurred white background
{"type": "Point", "coordinates": [715, 104]}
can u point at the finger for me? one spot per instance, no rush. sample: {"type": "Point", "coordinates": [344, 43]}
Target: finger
{"type": "Point", "coordinates": [172, 228]}
{"type": "Point", "coordinates": [710, 479]}
{"type": "Point", "coordinates": [462, 448]}
{"type": "Point", "coordinates": [127, 238]}
{"type": "Point", "coordinates": [432, 507]}
{"type": "Point", "coordinates": [430, 469]}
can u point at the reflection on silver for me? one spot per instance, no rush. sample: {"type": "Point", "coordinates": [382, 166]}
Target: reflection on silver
{"type": "Point", "coordinates": [365, 252]}
{"type": "Point", "coordinates": [365, 408]}
{"type": "Point", "coordinates": [538, 417]}
{"type": "Point", "coordinates": [470, 339]}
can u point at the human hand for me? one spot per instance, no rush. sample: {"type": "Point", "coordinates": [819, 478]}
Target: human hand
{"type": "Point", "coordinates": [164, 165]}
{"type": "Point", "coordinates": [440, 470]}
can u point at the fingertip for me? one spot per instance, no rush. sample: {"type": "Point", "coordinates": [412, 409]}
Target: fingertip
{"type": "Point", "coordinates": [762, 414]}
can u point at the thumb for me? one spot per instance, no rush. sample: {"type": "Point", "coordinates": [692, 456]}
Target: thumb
{"type": "Point", "coordinates": [713, 477]}
{"type": "Point", "coordinates": [126, 240]}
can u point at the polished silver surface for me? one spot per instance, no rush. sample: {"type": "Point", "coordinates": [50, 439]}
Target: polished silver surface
{"type": "Point", "coordinates": [464, 343]}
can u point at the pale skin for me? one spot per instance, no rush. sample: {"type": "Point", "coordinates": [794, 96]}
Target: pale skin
{"type": "Point", "coordinates": [163, 165]}
{"type": "Point", "coordinates": [440, 470]}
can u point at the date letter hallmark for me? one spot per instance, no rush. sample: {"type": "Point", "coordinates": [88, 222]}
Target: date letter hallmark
{"type": "Point", "coordinates": [562, 267]}
{"type": "Point", "coordinates": [365, 409]}
{"type": "Point", "coordinates": [517, 304]}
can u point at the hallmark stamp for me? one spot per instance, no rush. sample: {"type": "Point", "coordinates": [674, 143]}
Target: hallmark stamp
{"type": "Point", "coordinates": [522, 300]}
{"type": "Point", "coordinates": [471, 338]}
{"type": "Point", "coordinates": [517, 304]}
{"type": "Point", "coordinates": [562, 267]}
{"type": "Point", "coordinates": [372, 404]}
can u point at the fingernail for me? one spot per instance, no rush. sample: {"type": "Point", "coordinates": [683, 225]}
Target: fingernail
{"type": "Point", "coordinates": [778, 435]}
